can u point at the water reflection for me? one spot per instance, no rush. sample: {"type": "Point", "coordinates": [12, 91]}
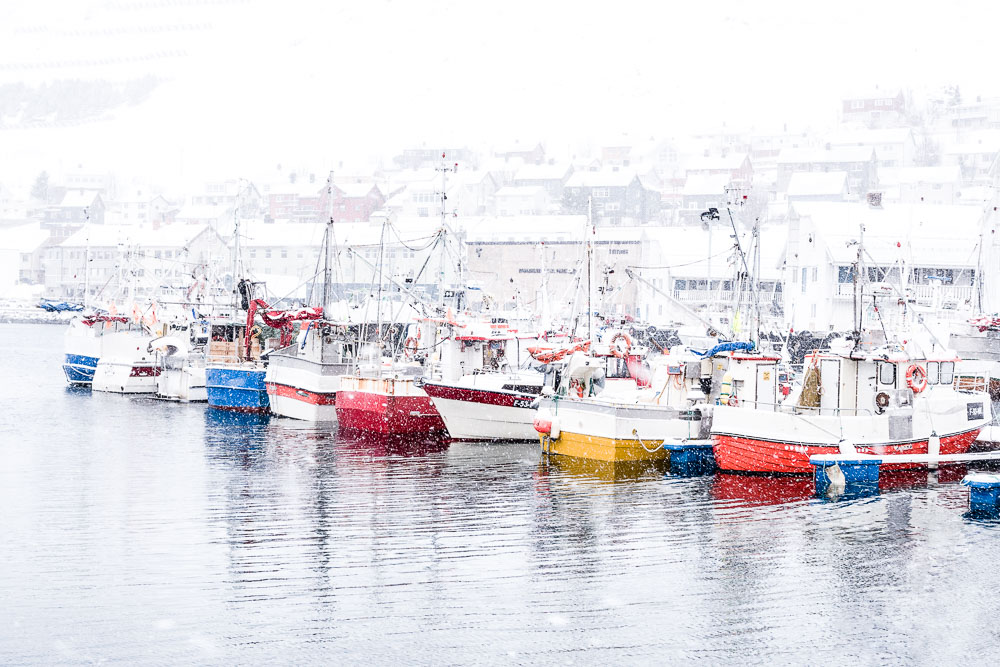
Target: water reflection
{"type": "Point", "coordinates": [603, 471]}
{"type": "Point", "coordinates": [236, 436]}
{"type": "Point", "coordinates": [749, 490]}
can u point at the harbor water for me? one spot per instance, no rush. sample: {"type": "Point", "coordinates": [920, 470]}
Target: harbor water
{"type": "Point", "coordinates": [143, 532]}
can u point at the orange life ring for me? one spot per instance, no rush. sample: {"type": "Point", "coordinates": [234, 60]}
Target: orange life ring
{"type": "Point", "coordinates": [916, 378]}
{"type": "Point", "coordinates": [621, 335]}
{"type": "Point", "coordinates": [733, 402]}
{"type": "Point", "coordinates": [410, 347]}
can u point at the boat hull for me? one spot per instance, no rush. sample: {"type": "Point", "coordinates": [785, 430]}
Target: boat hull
{"type": "Point", "coordinates": [482, 414]}
{"type": "Point", "coordinates": [125, 377]}
{"type": "Point", "coordinates": [388, 415]}
{"type": "Point", "coordinates": [185, 384]}
{"type": "Point", "coordinates": [741, 454]}
{"type": "Point", "coordinates": [772, 442]}
{"type": "Point", "coordinates": [238, 389]}
{"type": "Point", "coordinates": [79, 369]}
{"type": "Point", "coordinates": [300, 403]}
{"type": "Point", "coordinates": [303, 389]}
{"type": "Point", "coordinates": [609, 431]}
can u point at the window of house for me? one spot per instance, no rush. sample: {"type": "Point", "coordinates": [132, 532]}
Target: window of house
{"type": "Point", "coordinates": [600, 193]}
{"type": "Point", "coordinates": [804, 279]}
{"type": "Point", "coordinates": [284, 254]}
{"type": "Point", "coordinates": [267, 253]}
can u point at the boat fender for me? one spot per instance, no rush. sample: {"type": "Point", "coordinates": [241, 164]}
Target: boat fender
{"type": "Point", "coordinates": [916, 378]}
{"type": "Point", "coordinates": [725, 388]}
{"type": "Point", "coordinates": [547, 426]}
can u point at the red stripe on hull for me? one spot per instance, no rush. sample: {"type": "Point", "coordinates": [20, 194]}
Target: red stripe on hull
{"type": "Point", "coordinates": [740, 454]}
{"type": "Point", "coordinates": [388, 415]}
{"type": "Point", "coordinates": [304, 395]}
{"type": "Point", "coordinates": [483, 396]}
{"type": "Point", "coordinates": [144, 371]}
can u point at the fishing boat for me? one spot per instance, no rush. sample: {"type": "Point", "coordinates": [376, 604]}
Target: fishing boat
{"type": "Point", "coordinates": [127, 364]}
{"type": "Point", "coordinates": [83, 344]}
{"type": "Point", "coordinates": [180, 359]}
{"type": "Point", "coordinates": [618, 408]}
{"type": "Point", "coordinates": [870, 393]}
{"type": "Point", "coordinates": [392, 405]}
{"type": "Point", "coordinates": [303, 375]}
{"type": "Point", "coordinates": [234, 371]}
{"type": "Point", "coordinates": [481, 390]}
{"type": "Point", "coordinates": [880, 401]}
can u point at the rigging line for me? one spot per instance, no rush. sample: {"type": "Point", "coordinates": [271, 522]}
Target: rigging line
{"type": "Point", "coordinates": [676, 266]}
{"type": "Point", "coordinates": [302, 284]}
{"type": "Point", "coordinates": [419, 238]}
{"type": "Point", "coordinates": [402, 303]}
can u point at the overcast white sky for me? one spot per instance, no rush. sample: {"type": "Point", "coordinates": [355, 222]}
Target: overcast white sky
{"type": "Point", "coordinates": [254, 83]}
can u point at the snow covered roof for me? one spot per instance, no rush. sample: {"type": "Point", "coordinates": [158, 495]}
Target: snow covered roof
{"type": "Point", "coordinates": [79, 198]}
{"type": "Point", "coordinates": [602, 178]}
{"type": "Point", "coordinates": [356, 190]}
{"type": "Point", "coordinates": [299, 188]}
{"type": "Point", "coordinates": [810, 183]}
{"type": "Point", "coordinates": [521, 191]}
{"type": "Point", "coordinates": [203, 212]}
{"type": "Point", "coordinates": [889, 135]}
{"type": "Point", "coordinates": [542, 172]}
{"type": "Point", "coordinates": [258, 234]}
{"type": "Point", "coordinates": [836, 154]}
{"type": "Point", "coordinates": [927, 234]}
{"type": "Point", "coordinates": [704, 184]}
{"type": "Point", "coordinates": [916, 175]}
{"type": "Point", "coordinates": [683, 252]}
{"type": "Point", "coordinates": [730, 162]}
{"type": "Point", "coordinates": [106, 236]}
{"type": "Point", "coordinates": [525, 227]}
{"type": "Point", "coordinates": [23, 238]}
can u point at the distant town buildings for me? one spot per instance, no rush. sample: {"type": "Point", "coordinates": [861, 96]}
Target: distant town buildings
{"type": "Point", "coordinates": [512, 220]}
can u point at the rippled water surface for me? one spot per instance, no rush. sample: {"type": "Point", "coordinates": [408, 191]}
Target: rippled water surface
{"type": "Point", "coordinates": [136, 531]}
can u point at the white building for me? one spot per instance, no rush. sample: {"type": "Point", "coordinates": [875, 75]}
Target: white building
{"type": "Point", "coordinates": [925, 251]}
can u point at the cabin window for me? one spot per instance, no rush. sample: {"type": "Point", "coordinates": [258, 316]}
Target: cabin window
{"type": "Point", "coordinates": [933, 369]}
{"type": "Point", "coordinates": [887, 374]}
{"type": "Point", "coordinates": [947, 372]}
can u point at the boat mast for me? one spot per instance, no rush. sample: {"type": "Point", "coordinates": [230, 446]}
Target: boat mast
{"type": "Point", "coordinates": [86, 261]}
{"type": "Point", "coordinates": [858, 287]}
{"type": "Point", "coordinates": [236, 251]}
{"type": "Point", "coordinates": [444, 169]}
{"type": "Point", "coordinates": [591, 232]}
